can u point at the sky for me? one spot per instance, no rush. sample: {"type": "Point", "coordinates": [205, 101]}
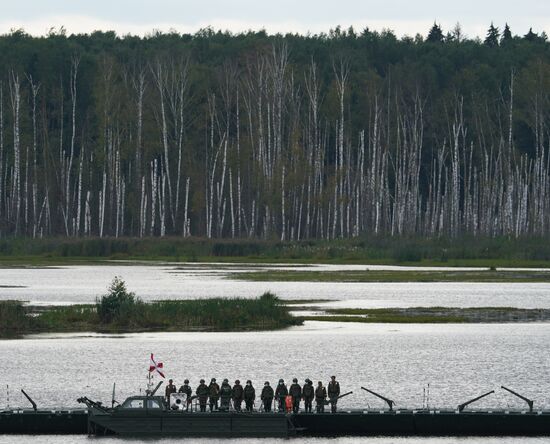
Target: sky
{"type": "Point", "coordinates": [140, 17]}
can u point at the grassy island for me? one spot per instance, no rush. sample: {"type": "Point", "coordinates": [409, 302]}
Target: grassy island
{"type": "Point", "coordinates": [122, 312]}
{"type": "Point", "coordinates": [433, 315]}
{"type": "Point", "coordinates": [488, 275]}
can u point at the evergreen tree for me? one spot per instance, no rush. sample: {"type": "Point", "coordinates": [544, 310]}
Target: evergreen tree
{"type": "Point", "coordinates": [506, 35]}
{"type": "Point", "coordinates": [436, 34]}
{"type": "Point", "coordinates": [530, 36]}
{"type": "Point", "coordinates": [493, 35]}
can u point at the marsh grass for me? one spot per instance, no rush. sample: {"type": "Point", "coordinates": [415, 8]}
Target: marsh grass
{"type": "Point", "coordinates": [393, 276]}
{"type": "Point", "coordinates": [237, 314]}
{"type": "Point", "coordinates": [462, 251]}
{"type": "Point", "coordinates": [437, 315]}
{"type": "Point", "coordinates": [14, 319]}
{"type": "Point", "coordinates": [389, 319]}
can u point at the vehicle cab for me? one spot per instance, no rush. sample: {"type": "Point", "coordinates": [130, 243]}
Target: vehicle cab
{"type": "Point", "coordinates": [141, 406]}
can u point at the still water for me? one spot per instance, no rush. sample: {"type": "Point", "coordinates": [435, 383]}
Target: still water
{"type": "Point", "coordinates": [458, 361]}
{"type": "Point", "coordinates": [82, 284]}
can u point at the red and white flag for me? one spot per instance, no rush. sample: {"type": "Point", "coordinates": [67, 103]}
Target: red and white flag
{"type": "Point", "coordinates": [156, 366]}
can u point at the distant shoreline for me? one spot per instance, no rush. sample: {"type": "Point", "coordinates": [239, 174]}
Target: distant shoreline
{"type": "Point", "coordinates": [524, 252]}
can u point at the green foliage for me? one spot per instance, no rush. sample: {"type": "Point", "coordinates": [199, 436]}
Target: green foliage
{"type": "Point", "coordinates": [465, 250]}
{"type": "Point", "coordinates": [383, 69]}
{"type": "Point", "coordinates": [119, 306]}
{"type": "Point", "coordinates": [14, 319]}
{"type": "Point", "coordinates": [121, 311]}
{"type": "Point", "coordinates": [436, 34]}
{"type": "Point", "coordinates": [506, 35]}
{"type": "Point", "coordinates": [493, 35]}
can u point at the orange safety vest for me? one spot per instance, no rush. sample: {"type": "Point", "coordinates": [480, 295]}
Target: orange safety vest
{"type": "Point", "coordinates": [288, 403]}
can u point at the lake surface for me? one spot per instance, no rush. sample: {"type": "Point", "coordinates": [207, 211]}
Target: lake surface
{"type": "Point", "coordinates": [82, 284]}
{"type": "Point", "coordinates": [459, 362]}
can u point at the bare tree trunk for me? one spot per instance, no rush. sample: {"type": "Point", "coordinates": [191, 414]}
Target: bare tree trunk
{"type": "Point", "coordinates": [15, 95]}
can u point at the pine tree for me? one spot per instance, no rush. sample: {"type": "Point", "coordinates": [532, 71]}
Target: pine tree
{"type": "Point", "coordinates": [436, 34]}
{"type": "Point", "coordinates": [493, 35]}
{"type": "Point", "coordinates": [506, 35]}
{"type": "Point", "coordinates": [530, 36]}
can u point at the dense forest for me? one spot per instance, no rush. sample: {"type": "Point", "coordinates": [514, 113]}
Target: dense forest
{"type": "Point", "coordinates": [275, 136]}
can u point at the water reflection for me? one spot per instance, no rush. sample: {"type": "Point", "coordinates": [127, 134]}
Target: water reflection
{"type": "Point", "coordinates": [458, 361]}
{"type": "Point", "coordinates": [82, 284]}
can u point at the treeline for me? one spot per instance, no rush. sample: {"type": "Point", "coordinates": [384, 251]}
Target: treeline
{"type": "Point", "coordinates": [278, 137]}
{"type": "Point", "coordinates": [463, 251]}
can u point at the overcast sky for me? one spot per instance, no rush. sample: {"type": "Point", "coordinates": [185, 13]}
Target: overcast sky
{"type": "Point", "coordinates": [403, 17]}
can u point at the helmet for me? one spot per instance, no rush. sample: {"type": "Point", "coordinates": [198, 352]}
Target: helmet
{"type": "Point", "coordinates": [213, 380]}
{"type": "Point", "coordinates": [226, 381]}
{"type": "Point", "coordinates": [295, 380]}
{"type": "Point", "coordinates": [249, 382]}
{"type": "Point", "coordinates": [266, 383]}
{"type": "Point", "coordinates": [281, 381]}
{"type": "Point", "coordinates": [307, 380]}
{"type": "Point", "coordinates": [186, 381]}
{"type": "Point", "coordinates": [237, 382]}
{"type": "Point", "coordinates": [333, 377]}
{"type": "Point", "coordinates": [202, 381]}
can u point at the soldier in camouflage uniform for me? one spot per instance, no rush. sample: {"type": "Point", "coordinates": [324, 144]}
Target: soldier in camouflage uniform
{"type": "Point", "coordinates": [281, 392]}
{"type": "Point", "coordinates": [237, 394]}
{"type": "Point", "coordinates": [308, 393]}
{"type": "Point", "coordinates": [225, 395]}
{"type": "Point", "coordinates": [249, 395]}
{"type": "Point", "coordinates": [202, 393]}
{"type": "Point", "coordinates": [170, 388]}
{"type": "Point", "coordinates": [320, 397]}
{"type": "Point", "coordinates": [333, 393]}
{"type": "Point", "coordinates": [296, 392]}
{"type": "Point", "coordinates": [267, 396]}
{"type": "Point", "coordinates": [213, 394]}
{"type": "Point", "coordinates": [185, 388]}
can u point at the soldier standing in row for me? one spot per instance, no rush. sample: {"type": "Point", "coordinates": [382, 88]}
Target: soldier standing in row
{"type": "Point", "coordinates": [308, 394]}
{"type": "Point", "coordinates": [170, 388]}
{"type": "Point", "coordinates": [202, 393]}
{"type": "Point", "coordinates": [267, 396]}
{"type": "Point", "coordinates": [213, 393]}
{"type": "Point", "coordinates": [296, 393]}
{"type": "Point", "coordinates": [185, 388]}
{"type": "Point", "coordinates": [237, 394]}
{"type": "Point", "coordinates": [249, 395]}
{"type": "Point", "coordinates": [320, 397]}
{"type": "Point", "coordinates": [281, 392]}
{"type": "Point", "coordinates": [225, 395]}
{"type": "Point", "coordinates": [333, 393]}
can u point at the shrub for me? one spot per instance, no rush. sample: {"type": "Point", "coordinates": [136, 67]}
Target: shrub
{"type": "Point", "coordinates": [14, 319]}
{"type": "Point", "coordinates": [119, 305]}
